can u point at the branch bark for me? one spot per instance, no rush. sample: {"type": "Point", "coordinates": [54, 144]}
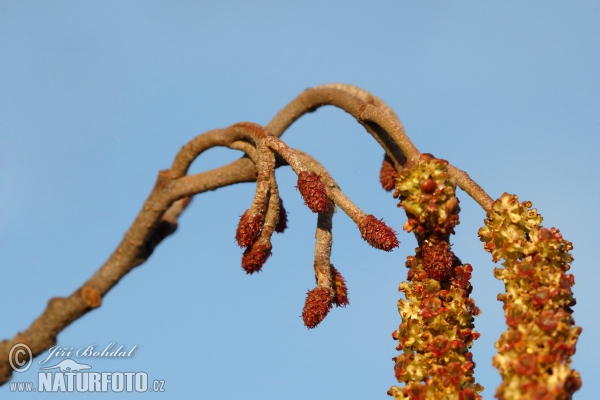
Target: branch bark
{"type": "Point", "coordinates": [173, 190]}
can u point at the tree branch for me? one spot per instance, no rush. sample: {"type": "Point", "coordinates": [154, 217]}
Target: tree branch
{"type": "Point", "coordinates": [173, 190]}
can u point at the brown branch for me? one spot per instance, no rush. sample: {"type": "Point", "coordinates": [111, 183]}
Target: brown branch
{"type": "Point", "coordinates": [363, 95]}
{"type": "Point", "coordinates": [136, 246]}
{"type": "Point", "coordinates": [464, 181]}
{"type": "Point", "coordinates": [340, 96]}
{"type": "Point", "coordinates": [247, 148]}
{"type": "Point", "coordinates": [377, 118]}
{"type": "Point", "coordinates": [287, 153]}
{"type": "Point", "coordinates": [156, 221]}
{"type": "Point", "coordinates": [173, 190]}
{"type": "Point", "coordinates": [370, 114]}
{"type": "Point", "coordinates": [323, 241]}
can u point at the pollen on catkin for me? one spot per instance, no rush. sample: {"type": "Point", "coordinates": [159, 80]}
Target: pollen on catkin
{"type": "Point", "coordinates": [537, 303]}
{"type": "Point", "coordinates": [427, 194]}
{"type": "Point", "coordinates": [437, 313]}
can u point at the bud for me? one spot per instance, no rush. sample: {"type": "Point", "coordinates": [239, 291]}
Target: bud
{"type": "Point", "coordinates": [248, 229]}
{"type": "Point", "coordinates": [313, 191]}
{"type": "Point", "coordinates": [340, 297]}
{"type": "Point", "coordinates": [282, 223]}
{"type": "Point", "coordinates": [255, 257]}
{"type": "Point", "coordinates": [378, 234]}
{"type": "Point", "coordinates": [317, 305]}
{"type": "Point", "coordinates": [388, 174]}
{"type": "Point", "coordinates": [91, 296]}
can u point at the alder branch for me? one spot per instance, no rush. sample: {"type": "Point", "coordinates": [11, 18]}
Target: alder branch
{"type": "Point", "coordinates": [173, 190]}
{"type": "Point", "coordinates": [333, 189]}
{"type": "Point", "coordinates": [157, 220]}
{"type": "Point", "coordinates": [323, 242]}
{"type": "Point", "coordinates": [377, 118]}
{"type": "Point", "coordinates": [464, 181]}
{"type": "Point", "coordinates": [341, 96]}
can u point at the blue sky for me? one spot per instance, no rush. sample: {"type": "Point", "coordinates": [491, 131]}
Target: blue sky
{"type": "Point", "coordinates": [97, 97]}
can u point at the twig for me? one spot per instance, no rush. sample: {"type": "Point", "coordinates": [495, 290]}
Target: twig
{"type": "Point", "coordinates": [173, 189]}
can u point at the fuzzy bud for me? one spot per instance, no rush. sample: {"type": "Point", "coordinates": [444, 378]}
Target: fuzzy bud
{"type": "Point", "coordinates": [255, 257]}
{"type": "Point", "coordinates": [248, 229]}
{"type": "Point", "coordinates": [282, 223]}
{"type": "Point", "coordinates": [340, 297]}
{"type": "Point", "coordinates": [317, 305]}
{"type": "Point", "coordinates": [388, 174]}
{"type": "Point", "coordinates": [378, 234]}
{"type": "Point", "coordinates": [313, 191]}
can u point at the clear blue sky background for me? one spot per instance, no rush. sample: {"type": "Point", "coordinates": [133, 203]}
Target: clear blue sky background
{"type": "Point", "coordinates": [97, 97]}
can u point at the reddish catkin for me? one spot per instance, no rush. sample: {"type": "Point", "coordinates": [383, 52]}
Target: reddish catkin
{"type": "Point", "coordinates": [255, 257]}
{"type": "Point", "coordinates": [388, 174]}
{"type": "Point", "coordinates": [437, 259]}
{"type": "Point", "coordinates": [378, 234]}
{"type": "Point", "coordinates": [313, 191]}
{"type": "Point", "coordinates": [248, 229]}
{"type": "Point", "coordinates": [317, 305]}
{"type": "Point", "coordinates": [340, 297]}
{"type": "Point", "coordinates": [282, 222]}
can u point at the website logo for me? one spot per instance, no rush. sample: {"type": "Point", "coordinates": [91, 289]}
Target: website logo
{"type": "Point", "coordinates": [69, 375]}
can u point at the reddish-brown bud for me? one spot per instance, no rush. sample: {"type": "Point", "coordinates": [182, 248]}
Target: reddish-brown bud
{"type": "Point", "coordinates": [282, 223]}
{"type": "Point", "coordinates": [540, 296]}
{"type": "Point", "coordinates": [255, 257]}
{"type": "Point", "coordinates": [313, 191]}
{"type": "Point", "coordinates": [549, 319]}
{"type": "Point", "coordinates": [527, 364]}
{"type": "Point", "coordinates": [437, 259]}
{"type": "Point", "coordinates": [317, 305]}
{"type": "Point", "coordinates": [91, 296]}
{"type": "Point", "coordinates": [467, 394]}
{"type": "Point", "coordinates": [340, 297]}
{"type": "Point", "coordinates": [439, 345]}
{"type": "Point", "coordinates": [428, 186]}
{"type": "Point", "coordinates": [431, 306]}
{"type": "Point", "coordinates": [377, 233]}
{"type": "Point", "coordinates": [248, 229]}
{"type": "Point", "coordinates": [388, 174]}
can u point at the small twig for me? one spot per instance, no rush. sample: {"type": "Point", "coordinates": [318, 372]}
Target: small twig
{"type": "Point", "coordinates": [311, 99]}
{"type": "Point", "coordinates": [171, 193]}
{"type": "Point", "coordinates": [323, 241]}
{"type": "Point", "coordinates": [464, 181]}
{"type": "Point", "coordinates": [376, 117]}
{"type": "Point", "coordinates": [156, 221]}
{"type": "Point", "coordinates": [138, 243]}
{"type": "Point", "coordinates": [363, 95]}
{"type": "Point", "coordinates": [217, 137]}
{"type": "Point", "coordinates": [247, 148]}
{"type": "Point", "coordinates": [288, 154]}
{"type": "Point", "coordinates": [370, 113]}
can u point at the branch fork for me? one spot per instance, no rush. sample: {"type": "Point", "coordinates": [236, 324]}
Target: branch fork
{"type": "Point", "coordinates": [439, 279]}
